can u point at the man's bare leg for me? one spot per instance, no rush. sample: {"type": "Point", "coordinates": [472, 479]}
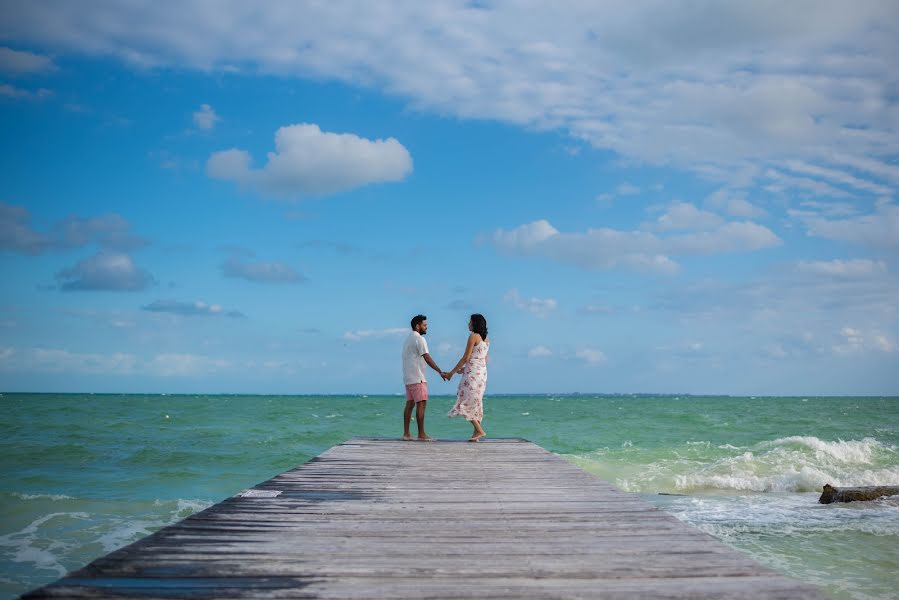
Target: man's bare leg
{"type": "Point", "coordinates": [420, 421]}
{"type": "Point", "coordinates": [407, 418]}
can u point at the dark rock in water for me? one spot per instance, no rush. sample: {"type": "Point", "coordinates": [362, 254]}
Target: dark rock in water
{"type": "Point", "coordinates": [855, 494]}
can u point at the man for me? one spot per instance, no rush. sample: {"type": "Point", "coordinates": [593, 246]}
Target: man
{"type": "Point", "coordinates": [415, 355]}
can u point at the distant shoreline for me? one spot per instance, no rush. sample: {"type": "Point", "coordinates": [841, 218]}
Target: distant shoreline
{"type": "Point", "coordinates": [452, 394]}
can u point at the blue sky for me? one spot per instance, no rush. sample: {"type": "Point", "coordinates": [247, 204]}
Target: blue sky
{"type": "Point", "coordinates": [669, 197]}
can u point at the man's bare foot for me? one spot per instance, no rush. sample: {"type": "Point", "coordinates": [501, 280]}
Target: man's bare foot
{"type": "Point", "coordinates": [426, 438]}
{"type": "Point", "coordinates": [407, 438]}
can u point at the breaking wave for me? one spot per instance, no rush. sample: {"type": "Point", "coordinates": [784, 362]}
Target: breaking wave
{"type": "Point", "coordinates": [63, 532]}
{"type": "Point", "coordinates": [789, 464]}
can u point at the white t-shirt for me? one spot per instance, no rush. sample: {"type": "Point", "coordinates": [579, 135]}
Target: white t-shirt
{"type": "Point", "coordinates": [413, 363]}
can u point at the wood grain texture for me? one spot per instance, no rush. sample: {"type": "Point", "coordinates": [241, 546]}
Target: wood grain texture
{"type": "Point", "coordinates": [378, 518]}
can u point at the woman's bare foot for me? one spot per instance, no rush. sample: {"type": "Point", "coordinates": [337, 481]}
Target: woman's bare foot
{"type": "Point", "coordinates": [477, 437]}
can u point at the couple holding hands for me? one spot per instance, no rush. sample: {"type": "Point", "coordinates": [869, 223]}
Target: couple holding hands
{"type": "Point", "coordinates": [472, 367]}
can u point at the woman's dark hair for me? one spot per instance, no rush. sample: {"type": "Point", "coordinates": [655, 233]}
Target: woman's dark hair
{"type": "Point", "coordinates": [417, 319]}
{"type": "Point", "coordinates": [479, 325]}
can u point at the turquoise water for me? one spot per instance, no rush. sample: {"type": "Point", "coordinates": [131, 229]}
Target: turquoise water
{"type": "Point", "coordinates": [85, 474]}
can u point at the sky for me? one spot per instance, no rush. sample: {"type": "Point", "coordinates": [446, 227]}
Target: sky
{"type": "Point", "coordinates": [646, 197]}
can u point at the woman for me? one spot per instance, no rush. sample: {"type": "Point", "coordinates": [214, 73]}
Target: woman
{"type": "Point", "coordinates": [473, 368]}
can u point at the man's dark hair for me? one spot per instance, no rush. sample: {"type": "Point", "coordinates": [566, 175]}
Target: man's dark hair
{"type": "Point", "coordinates": [417, 319]}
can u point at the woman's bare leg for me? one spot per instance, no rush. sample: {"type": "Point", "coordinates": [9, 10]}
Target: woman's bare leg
{"type": "Point", "coordinates": [478, 432]}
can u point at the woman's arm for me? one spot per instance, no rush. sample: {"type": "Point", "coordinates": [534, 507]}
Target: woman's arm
{"type": "Point", "coordinates": [472, 339]}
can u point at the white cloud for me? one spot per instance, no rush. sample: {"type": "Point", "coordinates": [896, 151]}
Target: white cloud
{"type": "Point", "coordinates": [230, 164]}
{"type": "Point", "coordinates": [205, 117]}
{"type": "Point", "coordinates": [704, 86]}
{"type": "Point", "coordinates": [622, 189]}
{"type": "Point", "coordinates": [832, 309]}
{"type": "Point", "coordinates": [627, 189]}
{"type": "Point", "coordinates": [363, 334]}
{"type": "Point", "coordinates": [860, 267]}
{"type": "Point", "coordinates": [734, 205]}
{"type": "Point", "coordinates": [595, 249]}
{"type": "Point", "coordinates": [109, 271]}
{"type": "Point", "coordinates": [884, 343]}
{"type": "Point", "coordinates": [685, 350]}
{"type": "Point", "coordinates": [868, 165]}
{"type": "Point", "coordinates": [596, 309]}
{"type": "Point", "coordinates": [854, 341]}
{"type": "Point", "coordinates": [783, 182]}
{"type": "Point", "coordinates": [813, 303]}
{"type": "Point", "coordinates": [190, 309]}
{"type": "Point", "coordinates": [448, 348]}
{"type": "Point", "coordinates": [16, 93]}
{"type": "Point", "coordinates": [828, 209]}
{"type": "Point", "coordinates": [539, 352]}
{"type": "Point", "coordinates": [591, 356]}
{"type": "Point", "coordinates": [878, 229]}
{"type": "Point", "coordinates": [54, 360]}
{"type": "Point", "coordinates": [460, 305]}
{"type": "Point", "coordinates": [261, 272]}
{"type": "Point", "coordinates": [15, 232]}
{"type": "Point", "coordinates": [18, 62]}
{"type": "Point", "coordinates": [525, 236]}
{"type": "Point", "coordinates": [775, 351]}
{"type": "Point", "coordinates": [739, 236]}
{"type": "Point", "coordinates": [107, 231]}
{"type": "Point", "coordinates": [110, 232]}
{"type": "Point", "coordinates": [310, 162]}
{"type": "Point", "coordinates": [61, 360]}
{"type": "Point", "coordinates": [851, 334]}
{"type": "Point", "coordinates": [638, 250]}
{"type": "Point", "coordinates": [683, 215]}
{"type": "Point", "coordinates": [739, 207]}
{"type": "Point", "coordinates": [838, 176]}
{"type": "Point", "coordinates": [539, 307]}
{"type": "Point", "coordinates": [185, 365]}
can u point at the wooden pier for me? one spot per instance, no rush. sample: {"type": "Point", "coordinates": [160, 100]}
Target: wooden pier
{"type": "Point", "coordinates": [374, 518]}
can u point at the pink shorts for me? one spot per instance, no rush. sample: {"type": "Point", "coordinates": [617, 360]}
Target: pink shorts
{"type": "Point", "coordinates": [417, 392]}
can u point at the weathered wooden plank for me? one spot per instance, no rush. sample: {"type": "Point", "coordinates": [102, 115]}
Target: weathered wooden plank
{"type": "Point", "coordinates": [388, 519]}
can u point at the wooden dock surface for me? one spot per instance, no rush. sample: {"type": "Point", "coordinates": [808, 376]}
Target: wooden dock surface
{"type": "Point", "coordinates": [375, 518]}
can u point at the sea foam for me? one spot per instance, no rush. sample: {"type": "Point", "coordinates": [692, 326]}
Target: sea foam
{"type": "Point", "coordinates": [788, 464]}
{"type": "Point", "coordinates": [90, 527]}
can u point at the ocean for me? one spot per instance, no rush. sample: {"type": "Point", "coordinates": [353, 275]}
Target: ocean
{"type": "Point", "coordinates": [84, 474]}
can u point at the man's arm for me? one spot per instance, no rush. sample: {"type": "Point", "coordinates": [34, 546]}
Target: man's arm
{"type": "Point", "coordinates": [432, 364]}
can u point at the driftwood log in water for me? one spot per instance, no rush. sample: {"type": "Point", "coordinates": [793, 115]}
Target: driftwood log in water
{"type": "Point", "coordinates": [855, 494]}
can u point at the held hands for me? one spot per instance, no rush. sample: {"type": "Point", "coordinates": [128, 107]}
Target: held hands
{"type": "Point", "coordinates": [447, 375]}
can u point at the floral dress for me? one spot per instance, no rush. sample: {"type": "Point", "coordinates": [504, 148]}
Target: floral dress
{"type": "Point", "coordinates": [470, 397]}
